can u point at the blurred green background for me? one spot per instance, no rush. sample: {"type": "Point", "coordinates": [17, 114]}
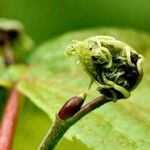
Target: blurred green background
{"type": "Point", "coordinates": [45, 19]}
{"type": "Point", "coordinates": [48, 18]}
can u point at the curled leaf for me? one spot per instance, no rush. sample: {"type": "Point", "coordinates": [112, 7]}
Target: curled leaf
{"type": "Point", "coordinates": [113, 64]}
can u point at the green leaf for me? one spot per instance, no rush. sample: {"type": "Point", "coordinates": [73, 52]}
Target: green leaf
{"type": "Point", "coordinates": [27, 137]}
{"type": "Point", "coordinates": [52, 79]}
{"type": "Point", "coordinates": [11, 75]}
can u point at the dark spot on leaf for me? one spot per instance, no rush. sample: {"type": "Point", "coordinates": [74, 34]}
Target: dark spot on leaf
{"type": "Point", "coordinates": [131, 76]}
{"type": "Point", "coordinates": [94, 58]}
{"type": "Point", "coordinates": [90, 48]}
{"type": "Point", "coordinates": [134, 58]}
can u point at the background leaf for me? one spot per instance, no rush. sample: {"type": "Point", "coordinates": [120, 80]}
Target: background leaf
{"type": "Point", "coordinates": [51, 79]}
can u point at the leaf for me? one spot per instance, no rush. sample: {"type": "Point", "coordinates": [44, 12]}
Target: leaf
{"type": "Point", "coordinates": [51, 79]}
{"type": "Point", "coordinates": [27, 137]}
{"type": "Point", "coordinates": [11, 75]}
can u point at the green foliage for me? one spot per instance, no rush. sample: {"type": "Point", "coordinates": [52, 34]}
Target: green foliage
{"type": "Point", "coordinates": [51, 79]}
{"type": "Point", "coordinates": [44, 19]}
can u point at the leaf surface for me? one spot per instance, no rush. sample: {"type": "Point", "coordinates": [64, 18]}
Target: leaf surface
{"type": "Point", "coordinates": [52, 78]}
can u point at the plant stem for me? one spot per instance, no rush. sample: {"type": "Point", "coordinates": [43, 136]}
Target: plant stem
{"type": "Point", "coordinates": [54, 134]}
{"type": "Point", "coordinates": [60, 127]}
{"type": "Point", "coordinates": [89, 107]}
{"type": "Point", "coordinates": [9, 120]}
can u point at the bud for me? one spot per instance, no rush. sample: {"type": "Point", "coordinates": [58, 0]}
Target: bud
{"type": "Point", "coordinates": [72, 106]}
{"type": "Point", "coordinates": [9, 30]}
{"type": "Point", "coordinates": [13, 37]}
{"type": "Point", "coordinates": [112, 64]}
{"type": "Point", "coordinates": [13, 31]}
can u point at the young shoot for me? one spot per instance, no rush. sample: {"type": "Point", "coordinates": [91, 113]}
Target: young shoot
{"type": "Point", "coordinates": [113, 65]}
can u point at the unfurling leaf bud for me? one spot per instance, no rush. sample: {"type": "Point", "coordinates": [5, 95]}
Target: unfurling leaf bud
{"type": "Point", "coordinates": [71, 107]}
{"type": "Point", "coordinates": [13, 31]}
{"type": "Point", "coordinates": [112, 64]}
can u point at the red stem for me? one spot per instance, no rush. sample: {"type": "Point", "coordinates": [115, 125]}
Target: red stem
{"type": "Point", "coordinates": [9, 120]}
